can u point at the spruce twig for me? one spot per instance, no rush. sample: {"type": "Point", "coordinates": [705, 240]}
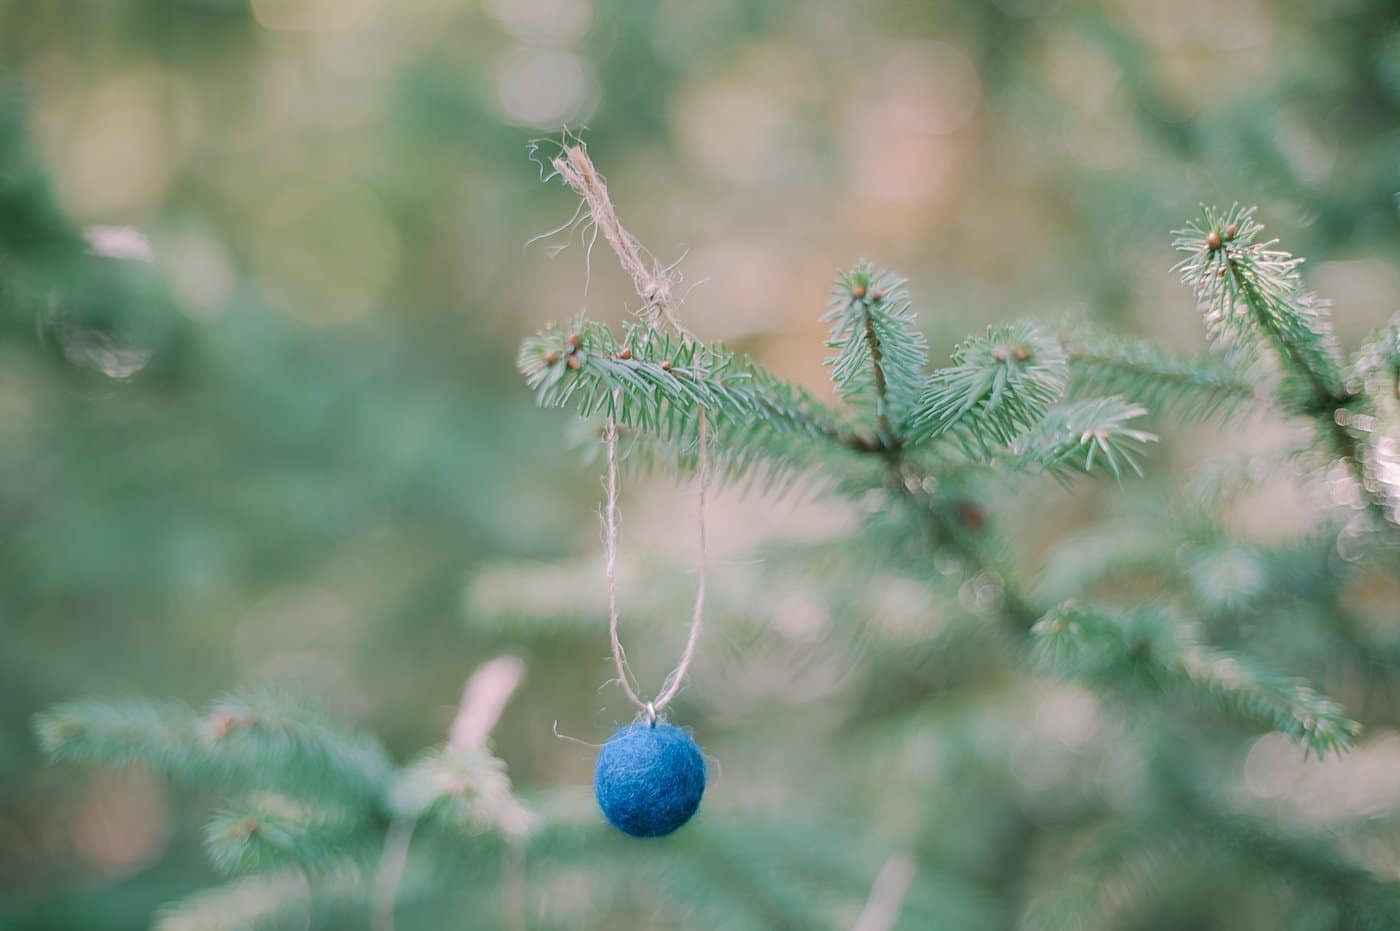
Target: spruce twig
{"type": "Point", "coordinates": [462, 782]}
{"type": "Point", "coordinates": [1252, 297]}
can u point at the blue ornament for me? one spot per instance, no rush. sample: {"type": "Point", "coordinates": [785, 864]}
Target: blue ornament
{"type": "Point", "coordinates": [649, 779]}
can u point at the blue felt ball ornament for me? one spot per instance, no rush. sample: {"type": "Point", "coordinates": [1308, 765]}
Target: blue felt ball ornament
{"type": "Point", "coordinates": [649, 779]}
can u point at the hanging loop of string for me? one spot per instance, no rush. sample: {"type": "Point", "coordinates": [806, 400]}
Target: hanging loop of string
{"type": "Point", "coordinates": [654, 284]}
{"type": "Point", "coordinates": [671, 686]}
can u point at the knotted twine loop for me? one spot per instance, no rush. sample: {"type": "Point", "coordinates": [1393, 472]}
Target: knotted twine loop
{"type": "Point", "coordinates": [673, 682]}
{"type": "Point", "coordinates": [655, 285]}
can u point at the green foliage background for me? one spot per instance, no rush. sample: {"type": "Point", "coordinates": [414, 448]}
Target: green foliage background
{"type": "Point", "coordinates": [294, 448]}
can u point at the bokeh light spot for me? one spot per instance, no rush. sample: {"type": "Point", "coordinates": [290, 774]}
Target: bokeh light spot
{"type": "Point", "coordinates": [545, 89]}
{"type": "Point", "coordinates": [554, 23]}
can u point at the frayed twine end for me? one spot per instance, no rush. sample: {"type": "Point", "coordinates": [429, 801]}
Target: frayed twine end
{"type": "Point", "coordinates": [654, 282]}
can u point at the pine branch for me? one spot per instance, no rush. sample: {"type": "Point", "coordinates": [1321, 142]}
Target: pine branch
{"type": "Point", "coordinates": [1149, 650]}
{"type": "Point", "coordinates": [462, 785]}
{"type": "Point", "coordinates": [1130, 872]}
{"type": "Point", "coordinates": [269, 832]}
{"type": "Point", "coordinates": [1191, 387]}
{"type": "Point", "coordinates": [121, 733]}
{"type": "Point", "coordinates": [262, 902]}
{"type": "Point", "coordinates": [1091, 650]}
{"type": "Point", "coordinates": [260, 740]}
{"type": "Point", "coordinates": [335, 897]}
{"type": "Point", "coordinates": [1114, 884]}
{"type": "Point", "coordinates": [461, 789]}
{"type": "Point", "coordinates": [880, 352]}
{"type": "Point", "coordinates": [1284, 704]}
{"type": "Point", "coordinates": [656, 384]}
{"type": "Point", "coordinates": [998, 386]}
{"type": "Point", "coordinates": [1082, 436]}
{"type": "Point", "coordinates": [1252, 297]}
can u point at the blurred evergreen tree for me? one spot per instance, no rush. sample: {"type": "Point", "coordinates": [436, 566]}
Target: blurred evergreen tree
{"type": "Point", "coordinates": [1027, 712]}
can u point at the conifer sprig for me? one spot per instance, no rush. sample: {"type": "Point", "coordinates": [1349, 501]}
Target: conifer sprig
{"type": "Point", "coordinates": [267, 832]}
{"type": "Point", "coordinates": [997, 387]}
{"type": "Point", "coordinates": [1252, 298]}
{"type": "Point", "coordinates": [1191, 387]}
{"type": "Point", "coordinates": [1086, 436]}
{"type": "Point", "coordinates": [461, 789]}
{"type": "Point", "coordinates": [880, 352]}
{"type": "Point", "coordinates": [1125, 869]}
{"type": "Point", "coordinates": [655, 384]}
{"type": "Point", "coordinates": [259, 902]}
{"type": "Point", "coordinates": [1147, 648]}
{"type": "Point", "coordinates": [662, 381]}
{"type": "Point", "coordinates": [258, 740]}
{"type": "Point", "coordinates": [995, 405]}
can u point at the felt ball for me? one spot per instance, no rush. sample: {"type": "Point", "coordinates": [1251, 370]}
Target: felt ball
{"type": "Point", "coordinates": [649, 779]}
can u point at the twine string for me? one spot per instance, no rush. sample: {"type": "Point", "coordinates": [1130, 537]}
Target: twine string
{"type": "Point", "coordinates": [610, 534]}
{"type": "Point", "coordinates": [672, 685]}
{"type": "Point", "coordinates": [655, 285]}
{"type": "Point", "coordinates": [673, 682]}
